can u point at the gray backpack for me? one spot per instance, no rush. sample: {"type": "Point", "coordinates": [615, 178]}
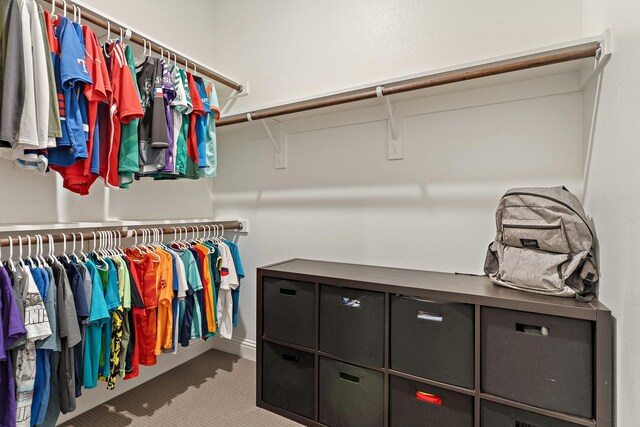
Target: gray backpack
{"type": "Point", "coordinates": [544, 244]}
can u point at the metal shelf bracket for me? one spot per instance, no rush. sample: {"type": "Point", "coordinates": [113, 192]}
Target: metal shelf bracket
{"type": "Point", "coordinates": [278, 140]}
{"type": "Point", "coordinates": [395, 137]}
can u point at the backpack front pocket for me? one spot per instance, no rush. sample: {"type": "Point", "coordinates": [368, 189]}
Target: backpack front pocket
{"type": "Point", "coordinates": [535, 234]}
{"type": "Point", "coordinates": [533, 269]}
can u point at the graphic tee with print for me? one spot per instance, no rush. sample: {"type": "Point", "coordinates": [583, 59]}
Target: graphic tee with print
{"type": "Point", "coordinates": [36, 323]}
{"type": "Point", "coordinates": [152, 129]}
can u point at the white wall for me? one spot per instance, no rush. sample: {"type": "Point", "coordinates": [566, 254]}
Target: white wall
{"type": "Point", "coordinates": [340, 199]}
{"type": "Point", "coordinates": [613, 193]}
{"type": "Point", "coordinates": [291, 49]}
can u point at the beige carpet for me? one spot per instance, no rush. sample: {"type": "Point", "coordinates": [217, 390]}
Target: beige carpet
{"type": "Point", "coordinates": [214, 389]}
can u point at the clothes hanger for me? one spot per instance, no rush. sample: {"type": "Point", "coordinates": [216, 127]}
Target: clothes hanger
{"type": "Point", "coordinates": [107, 243]}
{"type": "Point", "coordinates": [185, 236]}
{"type": "Point", "coordinates": [38, 255]}
{"type": "Point", "coordinates": [81, 256]}
{"type": "Point", "coordinates": [12, 266]}
{"type": "Point", "coordinates": [73, 249]}
{"type": "Point", "coordinates": [51, 257]}
{"type": "Point", "coordinates": [174, 236]}
{"type": "Point", "coordinates": [94, 243]}
{"type": "Point", "coordinates": [64, 248]}
{"type": "Point", "coordinates": [105, 249]}
{"type": "Point", "coordinates": [98, 242]}
{"type": "Point", "coordinates": [42, 257]}
{"type": "Point", "coordinates": [151, 249]}
{"type": "Point", "coordinates": [116, 248]}
{"type": "Point", "coordinates": [20, 260]}
{"type": "Point", "coordinates": [135, 246]}
{"type": "Point", "coordinates": [121, 250]}
{"type": "Point", "coordinates": [29, 259]}
{"type": "Point", "coordinates": [141, 59]}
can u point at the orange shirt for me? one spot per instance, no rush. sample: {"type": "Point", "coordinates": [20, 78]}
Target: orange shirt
{"type": "Point", "coordinates": [147, 266]}
{"type": "Point", "coordinates": [164, 331]}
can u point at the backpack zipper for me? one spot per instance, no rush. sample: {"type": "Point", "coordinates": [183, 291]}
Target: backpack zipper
{"type": "Point", "coordinates": [533, 227]}
{"type": "Point", "coordinates": [553, 200]}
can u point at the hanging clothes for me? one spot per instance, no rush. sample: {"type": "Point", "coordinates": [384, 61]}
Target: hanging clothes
{"type": "Point", "coordinates": [70, 322]}
{"type": "Point", "coordinates": [85, 111]}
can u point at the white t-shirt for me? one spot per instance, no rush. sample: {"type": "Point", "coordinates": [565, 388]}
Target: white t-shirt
{"type": "Point", "coordinates": [228, 281]}
{"type": "Point", "coordinates": [41, 78]}
{"type": "Point", "coordinates": [228, 275]}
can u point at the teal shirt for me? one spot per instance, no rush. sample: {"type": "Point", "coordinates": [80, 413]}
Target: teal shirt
{"type": "Point", "coordinates": [193, 277]}
{"type": "Point", "coordinates": [98, 318]}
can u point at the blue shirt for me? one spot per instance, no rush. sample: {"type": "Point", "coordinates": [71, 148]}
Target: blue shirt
{"type": "Point", "coordinates": [42, 381]}
{"type": "Point", "coordinates": [201, 123]}
{"type": "Point", "coordinates": [71, 73]}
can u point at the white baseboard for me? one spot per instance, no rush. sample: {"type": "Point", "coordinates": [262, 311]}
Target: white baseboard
{"type": "Point", "coordinates": [239, 346]}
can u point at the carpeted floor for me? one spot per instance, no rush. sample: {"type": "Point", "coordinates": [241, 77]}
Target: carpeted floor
{"type": "Point", "coordinates": [214, 389]}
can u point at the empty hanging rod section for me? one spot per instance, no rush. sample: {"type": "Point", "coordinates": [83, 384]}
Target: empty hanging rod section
{"type": "Point", "coordinates": [59, 238]}
{"type": "Point", "coordinates": [557, 56]}
{"type": "Point", "coordinates": [95, 18]}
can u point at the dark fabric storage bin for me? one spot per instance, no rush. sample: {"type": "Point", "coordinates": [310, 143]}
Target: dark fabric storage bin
{"type": "Point", "coordinates": [432, 340]}
{"type": "Point", "coordinates": [350, 396]}
{"type": "Point", "coordinates": [496, 415]}
{"type": "Point", "coordinates": [409, 407]}
{"type": "Point", "coordinates": [541, 360]}
{"type": "Point", "coordinates": [289, 311]}
{"type": "Point", "coordinates": [288, 379]}
{"type": "Point", "coordinates": [352, 324]}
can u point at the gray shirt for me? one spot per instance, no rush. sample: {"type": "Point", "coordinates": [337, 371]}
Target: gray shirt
{"type": "Point", "coordinates": [12, 85]}
{"type": "Point", "coordinates": [51, 306]}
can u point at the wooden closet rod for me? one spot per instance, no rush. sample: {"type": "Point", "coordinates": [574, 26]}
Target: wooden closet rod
{"type": "Point", "coordinates": [59, 238]}
{"type": "Point", "coordinates": [96, 19]}
{"type": "Point", "coordinates": [581, 51]}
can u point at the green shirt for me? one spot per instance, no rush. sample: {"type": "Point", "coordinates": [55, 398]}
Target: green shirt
{"type": "Point", "coordinates": [128, 156]}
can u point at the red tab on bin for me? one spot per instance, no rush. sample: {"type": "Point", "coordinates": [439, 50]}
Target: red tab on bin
{"type": "Point", "coordinates": [430, 398]}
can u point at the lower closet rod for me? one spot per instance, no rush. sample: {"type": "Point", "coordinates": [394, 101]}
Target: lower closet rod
{"type": "Point", "coordinates": [60, 238]}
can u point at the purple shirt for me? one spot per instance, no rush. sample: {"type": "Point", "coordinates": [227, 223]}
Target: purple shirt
{"type": "Point", "coordinates": [169, 92]}
{"type": "Point", "coordinates": [11, 330]}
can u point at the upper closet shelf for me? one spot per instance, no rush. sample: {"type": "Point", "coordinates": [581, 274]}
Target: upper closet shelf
{"type": "Point", "coordinates": [118, 28]}
{"type": "Point", "coordinates": [586, 56]}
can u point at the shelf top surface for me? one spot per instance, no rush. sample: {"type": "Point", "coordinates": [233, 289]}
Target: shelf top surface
{"type": "Point", "coordinates": [474, 288]}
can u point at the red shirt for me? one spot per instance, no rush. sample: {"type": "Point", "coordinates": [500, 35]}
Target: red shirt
{"type": "Point", "coordinates": [198, 110]}
{"type": "Point", "coordinates": [124, 105]}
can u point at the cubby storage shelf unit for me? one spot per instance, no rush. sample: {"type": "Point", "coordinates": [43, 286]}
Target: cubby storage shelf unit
{"type": "Point", "coordinates": [355, 345]}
